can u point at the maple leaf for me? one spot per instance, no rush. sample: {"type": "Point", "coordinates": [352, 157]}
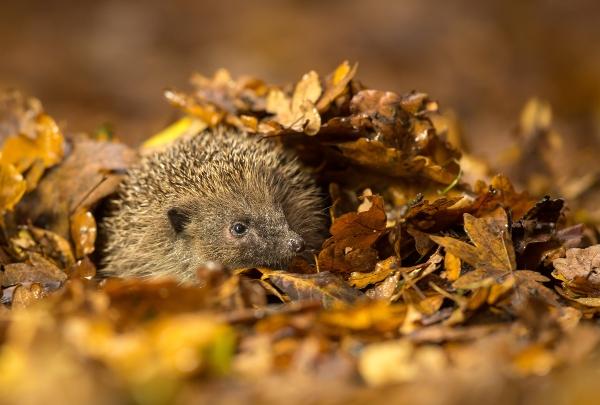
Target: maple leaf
{"type": "Point", "coordinates": [492, 253]}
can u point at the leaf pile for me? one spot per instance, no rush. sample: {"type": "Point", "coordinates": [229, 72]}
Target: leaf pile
{"type": "Point", "coordinates": [428, 288]}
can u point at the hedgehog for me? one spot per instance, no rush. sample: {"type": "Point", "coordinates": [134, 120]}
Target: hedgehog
{"type": "Point", "coordinates": [222, 196]}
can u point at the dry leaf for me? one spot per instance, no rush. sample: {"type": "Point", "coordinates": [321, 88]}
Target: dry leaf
{"type": "Point", "coordinates": [299, 113]}
{"type": "Point", "coordinates": [12, 187]}
{"type": "Point", "coordinates": [353, 234]}
{"type": "Point", "coordinates": [83, 232]}
{"type": "Point", "coordinates": [336, 84]}
{"type": "Point", "coordinates": [580, 270]}
{"type": "Point", "coordinates": [47, 146]}
{"type": "Point", "coordinates": [492, 253]}
{"type": "Point", "coordinates": [36, 270]}
{"type": "Point", "coordinates": [325, 287]}
{"type": "Point", "coordinates": [79, 181]}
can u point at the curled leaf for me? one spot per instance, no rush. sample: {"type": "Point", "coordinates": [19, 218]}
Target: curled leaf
{"type": "Point", "coordinates": [324, 287]}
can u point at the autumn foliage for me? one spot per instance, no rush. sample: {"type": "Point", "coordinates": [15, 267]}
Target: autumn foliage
{"type": "Point", "coordinates": [439, 282]}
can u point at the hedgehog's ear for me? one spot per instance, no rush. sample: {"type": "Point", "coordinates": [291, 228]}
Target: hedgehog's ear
{"type": "Point", "coordinates": [179, 218]}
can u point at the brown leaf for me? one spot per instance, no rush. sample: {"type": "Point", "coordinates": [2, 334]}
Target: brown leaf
{"type": "Point", "coordinates": [18, 114]}
{"type": "Point", "coordinates": [325, 287]}
{"type": "Point", "coordinates": [336, 85]}
{"type": "Point", "coordinates": [83, 232]}
{"type": "Point", "coordinates": [382, 270]}
{"type": "Point", "coordinates": [529, 283]}
{"type": "Point", "coordinates": [23, 296]}
{"type": "Point", "coordinates": [83, 268]}
{"type": "Point", "coordinates": [436, 215]}
{"type": "Point", "coordinates": [299, 113]}
{"type": "Point", "coordinates": [36, 270]}
{"type": "Point", "coordinates": [580, 270]}
{"type": "Point", "coordinates": [492, 254]}
{"type": "Point", "coordinates": [501, 193]}
{"type": "Point", "coordinates": [403, 279]}
{"type": "Point", "coordinates": [452, 266]}
{"type": "Point", "coordinates": [205, 112]}
{"type": "Point", "coordinates": [239, 291]}
{"type": "Point", "coordinates": [54, 246]}
{"type": "Point", "coordinates": [46, 243]}
{"type": "Point", "coordinates": [135, 300]}
{"type": "Point", "coordinates": [353, 234]}
{"type": "Point", "coordinates": [89, 173]}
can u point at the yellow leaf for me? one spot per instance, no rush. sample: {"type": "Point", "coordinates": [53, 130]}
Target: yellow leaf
{"type": "Point", "coordinates": [205, 112]}
{"type": "Point", "coordinates": [12, 187]}
{"type": "Point", "coordinates": [308, 89]}
{"type": "Point", "coordinates": [492, 253]}
{"type": "Point", "coordinates": [83, 232]}
{"type": "Point", "coordinates": [184, 126]}
{"type": "Point", "coordinates": [48, 146]}
{"type": "Point", "coordinates": [299, 113]}
{"type": "Point", "coordinates": [337, 84]}
{"type": "Point", "coordinates": [452, 266]}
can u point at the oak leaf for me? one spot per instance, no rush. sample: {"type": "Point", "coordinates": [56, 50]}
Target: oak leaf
{"type": "Point", "coordinates": [299, 113]}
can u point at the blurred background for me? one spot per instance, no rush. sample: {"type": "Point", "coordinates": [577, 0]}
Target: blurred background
{"type": "Point", "coordinates": [108, 61]}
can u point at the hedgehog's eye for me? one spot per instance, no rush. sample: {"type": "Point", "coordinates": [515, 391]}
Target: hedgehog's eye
{"type": "Point", "coordinates": [239, 229]}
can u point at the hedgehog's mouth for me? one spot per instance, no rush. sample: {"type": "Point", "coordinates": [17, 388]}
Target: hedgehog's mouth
{"type": "Point", "coordinates": [274, 263]}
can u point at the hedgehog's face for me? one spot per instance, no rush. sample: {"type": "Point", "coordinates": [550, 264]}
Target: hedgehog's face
{"type": "Point", "coordinates": [238, 237]}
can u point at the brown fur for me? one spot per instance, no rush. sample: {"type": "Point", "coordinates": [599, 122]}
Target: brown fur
{"type": "Point", "coordinates": [214, 179]}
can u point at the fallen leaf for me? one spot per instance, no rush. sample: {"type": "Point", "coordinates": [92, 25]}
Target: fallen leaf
{"type": "Point", "coordinates": [299, 113]}
{"type": "Point", "coordinates": [23, 296]}
{"type": "Point", "coordinates": [382, 270]}
{"type": "Point", "coordinates": [18, 114]}
{"type": "Point", "coordinates": [580, 270]}
{"type": "Point", "coordinates": [353, 234]}
{"type": "Point", "coordinates": [374, 317]}
{"type": "Point", "coordinates": [399, 362]}
{"type": "Point", "coordinates": [83, 232]}
{"type": "Point", "coordinates": [12, 187]}
{"type": "Point", "coordinates": [325, 287]}
{"type": "Point", "coordinates": [79, 181]}
{"type": "Point", "coordinates": [492, 253]}
{"type": "Point", "coordinates": [83, 268]}
{"type": "Point", "coordinates": [47, 146]}
{"type": "Point", "coordinates": [452, 266]}
{"type": "Point", "coordinates": [186, 126]}
{"type": "Point", "coordinates": [36, 270]}
{"type": "Point", "coordinates": [207, 113]}
{"type": "Point", "coordinates": [336, 84]}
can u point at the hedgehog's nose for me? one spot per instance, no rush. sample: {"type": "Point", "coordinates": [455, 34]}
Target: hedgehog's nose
{"type": "Point", "coordinates": [296, 244]}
